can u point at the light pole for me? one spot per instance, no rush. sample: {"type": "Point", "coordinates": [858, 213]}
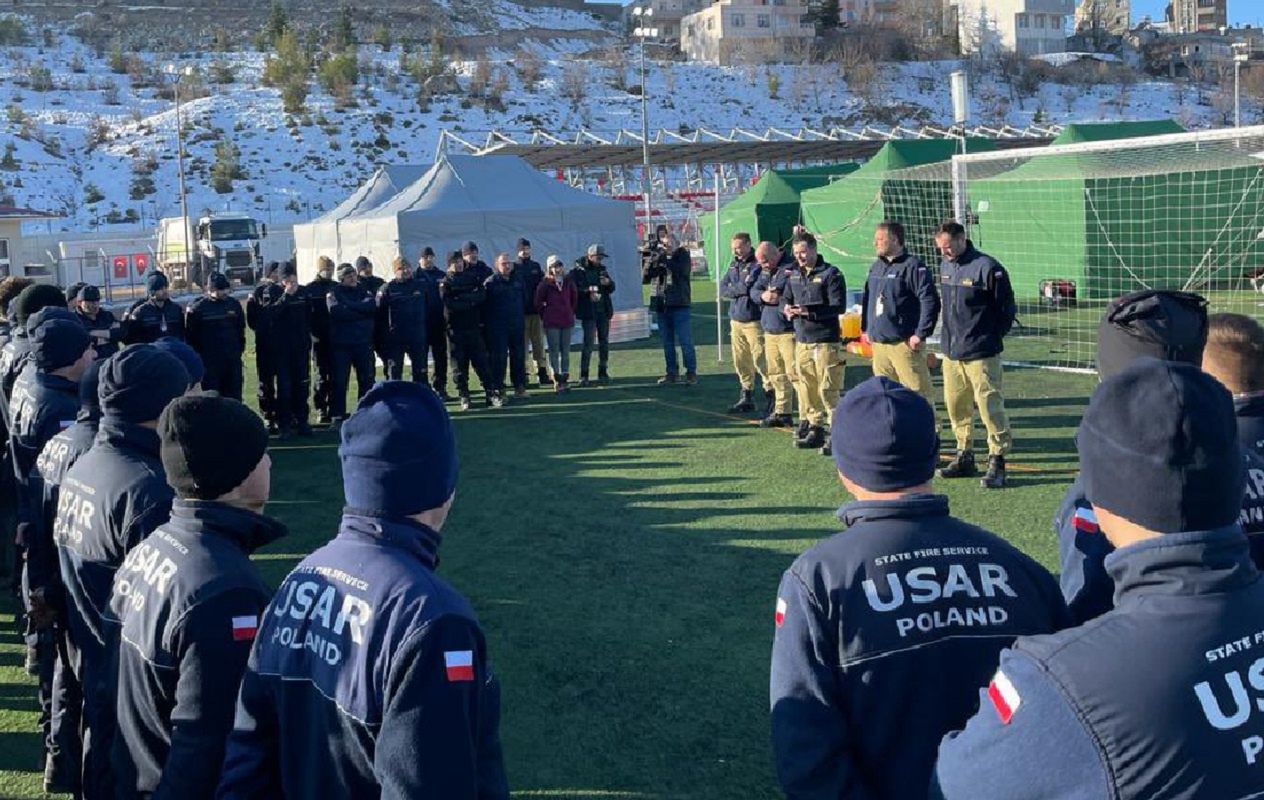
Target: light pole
{"type": "Point", "coordinates": [1241, 53]}
{"type": "Point", "coordinates": [642, 31]}
{"type": "Point", "coordinates": [176, 74]}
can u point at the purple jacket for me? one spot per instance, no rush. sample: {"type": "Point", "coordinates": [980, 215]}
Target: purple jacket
{"type": "Point", "coordinates": [557, 305]}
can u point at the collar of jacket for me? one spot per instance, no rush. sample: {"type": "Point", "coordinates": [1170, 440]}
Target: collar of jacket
{"type": "Point", "coordinates": [743, 262]}
{"type": "Point", "coordinates": [420, 540]}
{"type": "Point", "coordinates": [129, 436]}
{"type": "Point", "coordinates": [815, 268]}
{"type": "Point", "coordinates": [1249, 405]}
{"type": "Point", "coordinates": [57, 383]}
{"type": "Point", "coordinates": [89, 416]}
{"type": "Point", "coordinates": [967, 255]}
{"type": "Point", "coordinates": [242, 527]}
{"type": "Point", "coordinates": [907, 507]}
{"type": "Point", "coordinates": [1187, 563]}
{"type": "Point", "coordinates": [901, 258]}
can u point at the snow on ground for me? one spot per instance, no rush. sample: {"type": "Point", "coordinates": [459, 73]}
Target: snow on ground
{"type": "Point", "coordinates": [298, 166]}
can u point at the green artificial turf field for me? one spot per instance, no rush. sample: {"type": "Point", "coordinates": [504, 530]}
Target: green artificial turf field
{"type": "Point", "coordinates": [623, 546]}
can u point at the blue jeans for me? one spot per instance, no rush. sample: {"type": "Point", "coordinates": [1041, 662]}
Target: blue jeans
{"type": "Point", "coordinates": [674, 326]}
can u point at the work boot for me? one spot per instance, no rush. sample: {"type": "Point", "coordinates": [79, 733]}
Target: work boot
{"type": "Point", "coordinates": [691, 378]}
{"type": "Point", "coordinates": [564, 383]}
{"type": "Point", "coordinates": [814, 439]}
{"type": "Point", "coordinates": [777, 421]}
{"type": "Point", "coordinates": [273, 430]}
{"type": "Point", "coordinates": [995, 476]}
{"type": "Point", "coordinates": [960, 467]}
{"type": "Point", "coordinates": [827, 449]}
{"type": "Point", "coordinates": [494, 400]}
{"type": "Point", "coordinates": [59, 775]}
{"type": "Point", "coordinates": [667, 379]}
{"type": "Point", "coordinates": [745, 403]}
{"type": "Point", "coordinates": [801, 432]}
{"type": "Point", "coordinates": [465, 403]}
{"type": "Point", "coordinates": [542, 375]}
{"type": "Point", "coordinates": [323, 418]}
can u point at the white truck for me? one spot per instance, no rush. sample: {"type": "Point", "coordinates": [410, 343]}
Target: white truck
{"type": "Point", "coordinates": [222, 242]}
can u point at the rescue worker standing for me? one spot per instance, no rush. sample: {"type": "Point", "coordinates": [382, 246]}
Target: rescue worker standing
{"type": "Point", "coordinates": [364, 269]}
{"type": "Point", "coordinates": [504, 323]}
{"type": "Point", "coordinates": [595, 310]}
{"type": "Point", "coordinates": [1235, 356]}
{"type": "Point", "coordinates": [1149, 700]}
{"type": "Point", "coordinates": [106, 331]}
{"type": "Point", "coordinates": [188, 599]}
{"type": "Point", "coordinates": [814, 297]}
{"type": "Point", "coordinates": [352, 309]}
{"type": "Point", "coordinates": [216, 329]}
{"type": "Point", "coordinates": [399, 699]}
{"type": "Point", "coordinates": [154, 317]}
{"type": "Point", "coordinates": [402, 306]}
{"type": "Point", "coordinates": [978, 311]}
{"type": "Point", "coordinates": [259, 317]}
{"type": "Point", "coordinates": [667, 271]}
{"type": "Point", "coordinates": [745, 332]}
{"type": "Point", "coordinates": [436, 327]}
{"type": "Point", "coordinates": [532, 274]}
{"type": "Point", "coordinates": [290, 350]}
{"type": "Point", "coordinates": [463, 292]}
{"type": "Point", "coordinates": [884, 632]}
{"type": "Point", "coordinates": [779, 347]}
{"type": "Point", "coordinates": [322, 349]}
{"type": "Point", "coordinates": [473, 264]}
{"type": "Point", "coordinates": [899, 309]}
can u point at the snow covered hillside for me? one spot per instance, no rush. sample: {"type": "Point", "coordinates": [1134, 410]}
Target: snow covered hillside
{"type": "Point", "coordinates": [82, 137]}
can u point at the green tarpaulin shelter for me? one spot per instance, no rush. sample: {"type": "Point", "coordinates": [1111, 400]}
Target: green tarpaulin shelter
{"type": "Point", "coordinates": [1078, 132]}
{"type": "Point", "coordinates": [768, 211]}
{"type": "Point", "coordinates": [843, 214]}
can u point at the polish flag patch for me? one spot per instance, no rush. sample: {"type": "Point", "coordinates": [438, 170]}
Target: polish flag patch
{"type": "Point", "coordinates": [245, 628]}
{"type": "Point", "coordinates": [1085, 520]}
{"type": "Point", "coordinates": [780, 616]}
{"type": "Point", "coordinates": [460, 665]}
{"type": "Point", "coordinates": [1005, 698]}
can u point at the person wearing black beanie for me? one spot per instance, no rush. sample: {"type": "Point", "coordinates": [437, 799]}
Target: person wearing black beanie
{"type": "Point", "coordinates": [341, 720]}
{"type": "Point", "coordinates": [106, 330]}
{"type": "Point", "coordinates": [261, 318]}
{"type": "Point", "coordinates": [908, 608]}
{"type": "Point", "coordinates": [187, 626]}
{"type": "Point", "coordinates": [154, 316]}
{"type": "Point", "coordinates": [112, 498]}
{"type": "Point", "coordinates": [1149, 699]}
{"type": "Point", "coordinates": [31, 301]}
{"type": "Point", "coordinates": [216, 328]}
{"type": "Point", "coordinates": [430, 274]}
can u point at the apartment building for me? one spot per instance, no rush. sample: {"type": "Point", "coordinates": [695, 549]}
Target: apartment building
{"type": "Point", "coordinates": [1113, 17]}
{"type": "Point", "coordinates": [1191, 16]}
{"type": "Point", "coordinates": [1026, 27]}
{"type": "Point", "coordinates": [666, 15]}
{"type": "Point", "coordinates": [745, 31]}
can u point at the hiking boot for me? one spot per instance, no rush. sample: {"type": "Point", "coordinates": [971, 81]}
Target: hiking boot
{"type": "Point", "coordinates": [745, 403]}
{"type": "Point", "coordinates": [814, 440]}
{"type": "Point", "coordinates": [691, 378]}
{"type": "Point", "coordinates": [465, 403]}
{"type": "Point", "coordinates": [584, 383]}
{"type": "Point", "coordinates": [497, 400]}
{"type": "Point", "coordinates": [960, 467]}
{"type": "Point", "coordinates": [995, 476]}
{"type": "Point", "coordinates": [667, 379]}
{"type": "Point", "coordinates": [801, 432]}
{"type": "Point", "coordinates": [777, 421]}
{"type": "Point", "coordinates": [542, 375]}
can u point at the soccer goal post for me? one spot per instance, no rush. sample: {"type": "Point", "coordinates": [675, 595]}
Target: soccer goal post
{"type": "Point", "coordinates": [1077, 225]}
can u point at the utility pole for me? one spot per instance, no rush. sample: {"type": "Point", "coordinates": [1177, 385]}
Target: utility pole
{"type": "Point", "coordinates": [176, 74]}
{"type": "Point", "coordinates": [643, 31]}
{"type": "Point", "coordinates": [1241, 54]}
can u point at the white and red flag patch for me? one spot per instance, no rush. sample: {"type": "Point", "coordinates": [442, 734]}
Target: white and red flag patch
{"type": "Point", "coordinates": [1004, 697]}
{"type": "Point", "coordinates": [1086, 520]}
{"type": "Point", "coordinates": [245, 628]}
{"type": "Point", "coordinates": [780, 615]}
{"type": "Point", "coordinates": [460, 665]}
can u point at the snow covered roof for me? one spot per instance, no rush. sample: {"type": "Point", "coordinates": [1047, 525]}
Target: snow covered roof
{"type": "Point", "coordinates": [15, 212]}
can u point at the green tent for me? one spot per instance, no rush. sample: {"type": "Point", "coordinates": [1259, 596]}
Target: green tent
{"type": "Point", "coordinates": [888, 187]}
{"type": "Point", "coordinates": [1078, 132]}
{"type": "Point", "coordinates": [768, 211]}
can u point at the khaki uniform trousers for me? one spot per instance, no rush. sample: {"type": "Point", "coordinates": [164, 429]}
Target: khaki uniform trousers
{"type": "Point", "coordinates": [820, 379]}
{"type": "Point", "coordinates": [971, 383]}
{"type": "Point", "coordinates": [748, 352]}
{"type": "Point", "coordinates": [534, 341]}
{"type": "Point", "coordinates": [783, 372]}
{"type": "Point", "coordinates": [907, 366]}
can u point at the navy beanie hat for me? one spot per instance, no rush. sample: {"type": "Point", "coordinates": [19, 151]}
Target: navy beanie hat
{"type": "Point", "coordinates": [345, 270]}
{"type": "Point", "coordinates": [210, 444]}
{"type": "Point", "coordinates": [138, 382]}
{"type": "Point", "coordinates": [186, 355]}
{"type": "Point", "coordinates": [398, 451]}
{"type": "Point", "coordinates": [1161, 324]}
{"type": "Point", "coordinates": [89, 385]}
{"type": "Point", "coordinates": [90, 294]}
{"type": "Point", "coordinates": [57, 343]}
{"type": "Point", "coordinates": [1159, 447]}
{"type": "Point", "coordinates": [34, 298]}
{"type": "Point", "coordinates": [50, 313]}
{"type": "Point", "coordinates": [220, 282]}
{"type": "Point", "coordinates": [362, 262]}
{"type": "Point", "coordinates": [73, 291]}
{"type": "Point", "coordinates": [884, 437]}
{"type": "Point", "coordinates": [155, 283]}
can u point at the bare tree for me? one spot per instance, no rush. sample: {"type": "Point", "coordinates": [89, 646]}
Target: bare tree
{"type": "Point", "coordinates": [529, 67]}
{"type": "Point", "coordinates": [575, 77]}
{"type": "Point", "coordinates": [615, 60]}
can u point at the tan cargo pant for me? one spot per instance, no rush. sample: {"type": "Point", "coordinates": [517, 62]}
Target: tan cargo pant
{"type": "Point", "coordinates": [782, 372]}
{"type": "Point", "coordinates": [820, 379]}
{"type": "Point", "coordinates": [901, 363]}
{"type": "Point", "coordinates": [971, 383]}
{"type": "Point", "coordinates": [534, 338]}
{"type": "Point", "coordinates": [748, 352]}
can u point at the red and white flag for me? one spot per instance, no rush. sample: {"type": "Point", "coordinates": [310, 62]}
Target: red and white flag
{"type": "Point", "coordinates": [1004, 697]}
{"type": "Point", "coordinates": [245, 628]}
{"type": "Point", "coordinates": [460, 665]}
{"type": "Point", "coordinates": [1086, 520]}
{"type": "Point", "coordinates": [780, 616]}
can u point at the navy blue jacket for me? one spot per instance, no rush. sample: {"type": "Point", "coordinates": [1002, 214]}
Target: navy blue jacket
{"type": "Point", "coordinates": [431, 278]}
{"type": "Point", "coordinates": [770, 317]}
{"type": "Point", "coordinates": [216, 329]}
{"type": "Point", "coordinates": [285, 321]}
{"type": "Point", "coordinates": [503, 308]}
{"type": "Point", "coordinates": [188, 601]}
{"type": "Point", "coordinates": [402, 305]}
{"type": "Point", "coordinates": [62, 451]}
{"type": "Point", "coordinates": [114, 496]}
{"type": "Point", "coordinates": [1148, 701]}
{"type": "Point", "coordinates": [146, 321]}
{"type": "Point", "coordinates": [260, 312]}
{"type": "Point", "coordinates": [1083, 548]}
{"type": "Point", "coordinates": [318, 296]}
{"type": "Point", "coordinates": [735, 287]}
{"type": "Point", "coordinates": [978, 306]}
{"type": "Point", "coordinates": [1249, 410]}
{"type": "Point", "coordinates": [373, 283]}
{"type": "Point", "coordinates": [822, 292]}
{"type": "Point", "coordinates": [352, 312]}
{"type": "Point", "coordinates": [41, 407]}
{"type": "Point", "coordinates": [903, 290]}
{"type": "Point", "coordinates": [105, 329]}
{"type": "Point", "coordinates": [530, 273]}
{"type": "Point", "coordinates": [463, 294]}
{"type": "Point", "coordinates": [883, 633]}
{"type": "Point", "coordinates": [13, 358]}
{"type": "Point", "coordinates": [370, 678]}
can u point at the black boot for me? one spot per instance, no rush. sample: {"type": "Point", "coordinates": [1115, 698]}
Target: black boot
{"type": "Point", "coordinates": [770, 402]}
{"type": "Point", "coordinates": [995, 476]}
{"type": "Point", "coordinates": [777, 421]}
{"type": "Point", "coordinates": [814, 439]}
{"type": "Point", "coordinates": [827, 449]}
{"type": "Point", "coordinates": [543, 375]}
{"type": "Point", "coordinates": [745, 403]}
{"type": "Point", "coordinates": [801, 432]}
{"type": "Point", "coordinates": [960, 467]}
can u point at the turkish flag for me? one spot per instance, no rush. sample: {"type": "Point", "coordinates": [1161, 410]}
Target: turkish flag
{"type": "Point", "coordinates": [141, 260]}
{"type": "Point", "coordinates": [120, 267]}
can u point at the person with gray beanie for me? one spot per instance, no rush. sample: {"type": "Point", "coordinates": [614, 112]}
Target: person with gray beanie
{"type": "Point", "coordinates": [1150, 699]}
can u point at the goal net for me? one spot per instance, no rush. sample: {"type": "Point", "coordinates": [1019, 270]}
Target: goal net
{"type": "Point", "coordinates": [1077, 225]}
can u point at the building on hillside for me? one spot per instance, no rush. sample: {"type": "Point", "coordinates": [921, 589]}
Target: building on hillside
{"type": "Point", "coordinates": [16, 252]}
{"type": "Point", "coordinates": [1103, 17]}
{"type": "Point", "coordinates": [747, 31]}
{"type": "Point", "coordinates": [1190, 16]}
{"type": "Point", "coordinates": [666, 17]}
{"type": "Point", "coordinates": [1204, 55]}
{"type": "Point", "coordinates": [1026, 27]}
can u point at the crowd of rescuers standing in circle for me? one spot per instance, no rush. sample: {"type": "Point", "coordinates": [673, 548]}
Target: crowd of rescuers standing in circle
{"type": "Point", "coordinates": [914, 654]}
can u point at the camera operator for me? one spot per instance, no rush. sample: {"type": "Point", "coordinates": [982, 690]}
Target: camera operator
{"type": "Point", "coordinates": [666, 268]}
